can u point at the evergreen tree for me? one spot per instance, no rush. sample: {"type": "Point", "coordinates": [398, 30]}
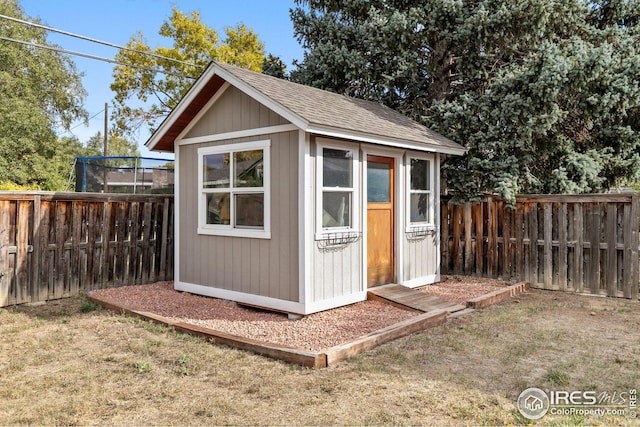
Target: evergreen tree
{"type": "Point", "coordinates": [544, 94]}
{"type": "Point", "coordinates": [273, 66]}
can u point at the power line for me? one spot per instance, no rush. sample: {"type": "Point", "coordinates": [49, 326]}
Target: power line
{"type": "Point", "coordinates": [99, 58]}
{"type": "Point", "coordinates": [66, 33]}
{"type": "Point", "coordinates": [88, 120]}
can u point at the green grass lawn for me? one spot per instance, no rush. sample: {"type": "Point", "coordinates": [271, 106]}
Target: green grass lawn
{"type": "Point", "coordinates": [68, 363]}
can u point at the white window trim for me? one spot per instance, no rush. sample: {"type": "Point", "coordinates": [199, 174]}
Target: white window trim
{"type": "Point", "coordinates": [430, 223]}
{"type": "Point", "coordinates": [326, 233]}
{"type": "Point", "coordinates": [229, 230]}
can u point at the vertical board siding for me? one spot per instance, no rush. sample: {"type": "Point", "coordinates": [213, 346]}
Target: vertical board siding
{"type": "Point", "coordinates": [56, 245]}
{"type": "Point", "coordinates": [584, 243]}
{"type": "Point", "coordinates": [265, 267]}
{"type": "Point", "coordinates": [420, 256]}
{"type": "Point", "coordinates": [235, 111]}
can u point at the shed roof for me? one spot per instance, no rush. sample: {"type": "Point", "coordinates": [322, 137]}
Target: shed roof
{"type": "Point", "coordinates": [313, 110]}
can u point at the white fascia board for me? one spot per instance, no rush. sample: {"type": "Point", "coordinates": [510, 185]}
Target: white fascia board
{"type": "Point", "coordinates": [261, 98]}
{"type": "Point", "coordinates": [184, 102]}
{"type": "Point", "coordinates": [375, 139]}
{"type": "Point", "coordinates": [237, 134]}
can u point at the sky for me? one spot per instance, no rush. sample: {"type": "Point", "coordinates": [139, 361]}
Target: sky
{"type": "Point", "coordinates": [115, 21]}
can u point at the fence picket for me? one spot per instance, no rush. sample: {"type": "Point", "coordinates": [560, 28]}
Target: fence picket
{"type": "Point", "coordinates": [54, 245]}
{"type": "Point", "coordinates": [571, 243]}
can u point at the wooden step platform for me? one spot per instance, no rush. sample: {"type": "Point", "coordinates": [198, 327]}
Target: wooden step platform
{"type": "Point", "coordinates": [404, 297]}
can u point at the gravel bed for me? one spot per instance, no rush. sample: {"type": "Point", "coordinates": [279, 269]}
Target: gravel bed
{"type": "Point", "coordinates": [460, 289]}
{"type": "Point", "coordinates": [313, 332]}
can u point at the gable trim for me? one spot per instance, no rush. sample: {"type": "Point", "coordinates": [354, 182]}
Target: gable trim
{"type": "Point", "coordinates": [192, 93]}
{"type": "Point", "coordinates": [203, 111]}
{"type": "Point", "coordinates": [236, 134]}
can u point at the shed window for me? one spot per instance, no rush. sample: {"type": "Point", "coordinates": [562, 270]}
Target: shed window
{"type": "Point", "coordinates": [234, 190]}
{"type": "Point", "coordinates": [337, 182]}
{"type": "Point", "coordinates": [420, 198]}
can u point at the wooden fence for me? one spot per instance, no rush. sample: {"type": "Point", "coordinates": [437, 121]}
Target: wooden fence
{"type": "Point", "coordinates": [584, 243]}
{"type": "Point", "coordinates": [55, 245]}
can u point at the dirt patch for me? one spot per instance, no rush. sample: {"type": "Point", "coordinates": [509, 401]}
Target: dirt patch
{"type": "Point", "coordinates": [314, 332]}
{"type": "Point", "coordinates": [461, 289]}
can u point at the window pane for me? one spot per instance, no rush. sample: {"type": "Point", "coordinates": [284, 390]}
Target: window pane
{"type": "Point", "coordinates": [336, 168]}
{"type": "Point", "coordinates": [248, 167]}
{"type": "Point", "coordinates": [419, 207]}
{"type": "Point", "coordinates": [378, 182]}
{"type": "Point", "coordinates": [336, 209]}
{"type": "Point", "coordinates": [250, 210]}
{"type": "Point", "coordinates": [216, 170]}
{"type": "Point", "coordinates": [420, 174]}
{"type": "Point", "coordinates": [218, 208]}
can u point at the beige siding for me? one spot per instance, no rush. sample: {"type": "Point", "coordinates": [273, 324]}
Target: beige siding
{"type": "Point", "coordinates": [235, 111]}
{"type": "Point", "coordinates": [265, 267]}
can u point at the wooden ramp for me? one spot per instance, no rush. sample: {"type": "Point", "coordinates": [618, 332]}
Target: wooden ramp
{"type": "Point", "coordinates": [404, 297]}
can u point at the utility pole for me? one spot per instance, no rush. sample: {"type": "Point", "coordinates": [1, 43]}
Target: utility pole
{"type": "Point", "coordinates": [106, 148]}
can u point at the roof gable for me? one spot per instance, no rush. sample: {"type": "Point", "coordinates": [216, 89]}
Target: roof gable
{"type": "Point", "coordinates": [311, 109]}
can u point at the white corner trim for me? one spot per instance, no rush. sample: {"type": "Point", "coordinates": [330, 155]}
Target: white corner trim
{"type": "Point", "coordinates": [176, 218]}
{"type": "Point", "coordinates": [305, 218]}
{"type": "Point", "coordinates": [237, 134]}
{"type": "Point", "coordinates": [421, 281]}
{"type": "Point", "coordinates": [203, 110]}
{"type": "Point", "coordinates": [241, 297]}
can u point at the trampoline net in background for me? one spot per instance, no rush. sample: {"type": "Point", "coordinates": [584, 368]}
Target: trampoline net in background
{"type": "Point", "coordinates": [129, 175]}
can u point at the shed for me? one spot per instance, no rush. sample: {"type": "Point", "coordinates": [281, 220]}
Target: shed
{"type": "Point", "coordinates": [298, 199]}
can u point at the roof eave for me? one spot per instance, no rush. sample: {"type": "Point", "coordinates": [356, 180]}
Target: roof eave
{"type": "Point", "coordinates": [426, 146]}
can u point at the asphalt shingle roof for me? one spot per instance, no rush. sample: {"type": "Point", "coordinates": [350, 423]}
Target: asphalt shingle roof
{"type": "Point", "coordinates": [328, 109]}
{"type": "Point", "coordinates": [314, 110]}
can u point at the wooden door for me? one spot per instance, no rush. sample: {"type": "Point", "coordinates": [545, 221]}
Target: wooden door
{"type": "Point", "coordinates": [380, 221]}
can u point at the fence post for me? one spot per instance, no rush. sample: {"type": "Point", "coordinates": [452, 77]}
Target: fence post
{"type": "Point", "coordinates": [468, 245]}
{"type": "Point", "coordinates": [594, 239]}
{"type": "Point", "coordinates": [35, 256]}
{"type": "Point", "coordinates": [635, 261]}
{"type": "Point", "coordinates": [5, 276]}
{"type": "Point", "coordinates": [548, 246]}
{"type": "Point", "coordinates": [163, 239]}
{"type": "Point", "coordinates": [562, 249]}
{"type": "Point", "coordinates": [22, 243]}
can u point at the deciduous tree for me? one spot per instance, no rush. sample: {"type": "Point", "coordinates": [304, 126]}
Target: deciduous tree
{"type": "Point", "coordinates": [40, 93]}
{"type": "Point", "coordinates": [144, 95]}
